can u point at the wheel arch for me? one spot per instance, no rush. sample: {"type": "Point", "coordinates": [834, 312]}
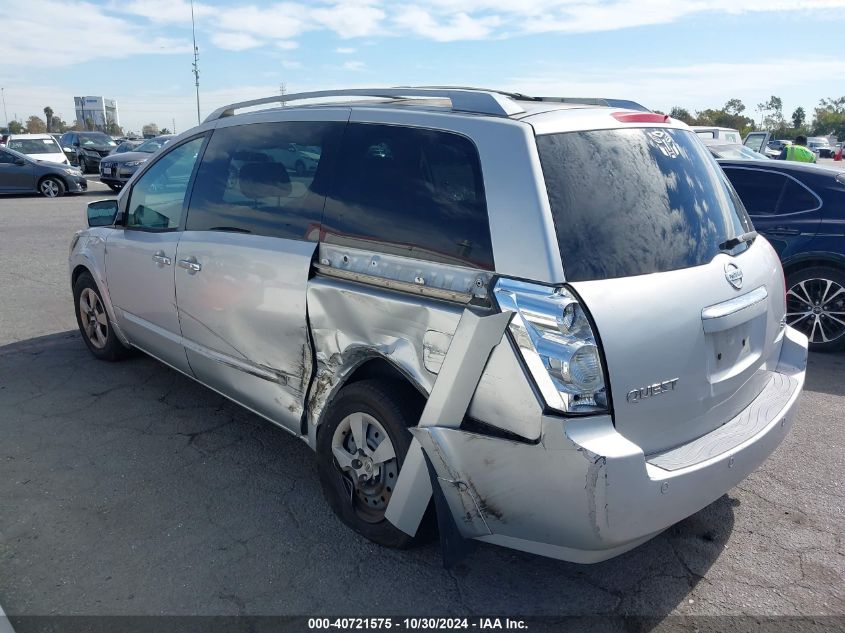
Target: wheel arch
{"type": "Point", "coordinates": [811, 259]}
{"type": "Point", "coordinates": [78, 270]}
{"type": "Point", "coordinates": [371, 366]}
{"type": "Point", "coordinates": [57, 177]}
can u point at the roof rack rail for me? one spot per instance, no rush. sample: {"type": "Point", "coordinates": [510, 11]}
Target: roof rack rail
{"type": "Point", "coordinates": [463, 99]}
{"type": "Point", "coordinates": [518, 96]}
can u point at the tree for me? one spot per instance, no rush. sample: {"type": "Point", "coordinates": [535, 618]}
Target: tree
{"type": "Point", "coordinates": [164, 130]}
{"type": "Point", "coordinates": [114, 129]}
{"type": "Point", "coordinates": [829, 117]}
{"type": "Point", "coordinates": [734, 107]}
{"type": "Point", "coordinates": [773, 110]}
{"type": "Point", "coordinates": [149, 130]}
{"type": "Point", "coordinates": [48, 117]}
{"type": "Point", "coordinates": [15, 127]}
{"type": "Point", "coordinates": [798, 117]}
{"type": "Point", "coordinates": [682, 114]}
{"type": "Point", "coordinates": [58, 125]}
{"type": "Point", "coordinates": [35, 125]}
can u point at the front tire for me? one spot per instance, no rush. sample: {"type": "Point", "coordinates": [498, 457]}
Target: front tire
{"type": "Point", "coordinates": [93, 321]}
{"type": "Point", "coordinates": [115, 188]}
{"type": "Point", "coordinates": [815, 305]}
{"type": "Point", "coordinates": [51, 187]}
{"type": "Point", "coordinates": [360, 450]}
{"type": "Point", "coordinates": [83, 164]}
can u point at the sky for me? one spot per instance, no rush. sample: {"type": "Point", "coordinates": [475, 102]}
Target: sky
{"type": "Point", "coordinates": [662, 53]}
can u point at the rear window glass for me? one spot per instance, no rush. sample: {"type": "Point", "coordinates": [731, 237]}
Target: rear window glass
{"type": "Point", "coordinates": [409, 191]}
{"type": "Point", "coordinates": [636, 201]}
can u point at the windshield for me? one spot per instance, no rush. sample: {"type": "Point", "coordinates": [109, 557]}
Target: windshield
{"type": "Point", "coordinates": [636, 201]}
{"type": "Point", "coordinates": [736, 152]}
{"type": "Point", "coordinates": [34, 146]}
{"type": "Point", "coordinates": [95, 139]}
{"type": "Point", "coordinates": [153, 145]}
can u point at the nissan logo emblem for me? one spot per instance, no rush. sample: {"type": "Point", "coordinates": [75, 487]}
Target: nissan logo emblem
{"type": "Point", "coordinates": [733, 274]}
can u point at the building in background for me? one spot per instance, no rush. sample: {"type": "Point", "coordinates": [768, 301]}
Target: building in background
{"type": "Point", "coordinates": [97, 113]}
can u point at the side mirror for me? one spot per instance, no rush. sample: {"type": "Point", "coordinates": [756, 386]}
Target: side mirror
{"type": "Point", "coordinates": [20, 162]}
{"type": "Point", "coordinates": [102, 213]}
{"type": "Point", "coordinates": [76, 144]}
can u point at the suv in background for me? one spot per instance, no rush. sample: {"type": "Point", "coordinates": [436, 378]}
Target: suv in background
{"type": "Point", "coordinates": [85, 149]}
{"type": "Point", "coordinates": [459, 307]}
{"type": "Point", "coordinates": [800, 208]}
{"type": "Point", "coordinates": [820, 146]}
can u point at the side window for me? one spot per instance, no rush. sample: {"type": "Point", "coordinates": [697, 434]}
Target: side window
{"type": "Point", "coordinates": [409, 191]}
{"type": "Point", "coordinates": [760, 191]}
{"type": "Point", "coordinates": [796, 198]}
{"type": "Point", "coordinates": [6, 158]}
{"type": "Point", "coordinates": [157, 198]}
{"type": "Point", "coordinates": [264, 179]}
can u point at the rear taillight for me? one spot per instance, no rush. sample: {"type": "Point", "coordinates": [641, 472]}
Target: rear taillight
{"type": "Point", "coordinates": [557, 343]}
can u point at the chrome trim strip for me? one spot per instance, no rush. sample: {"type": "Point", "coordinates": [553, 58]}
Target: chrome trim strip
{"type": "Point", "coordinates": [731, 306]}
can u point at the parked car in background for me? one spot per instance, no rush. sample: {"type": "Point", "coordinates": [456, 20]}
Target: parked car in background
{"type": "Point", "coordinates": [763, 143]}
{"type": "Point", "coordinates": [86, 149]}
{"type": "Point", "coordinates": [571, 354]}
{"type": "Point", "coordinates": [126, 146]}
{"type": "Point", "coordinates": [38, 147]}
{"type": "Point", "coordinates": [734, 151]}
{"type": "Point", "coordinates": [800, 208]}
{"type": "Point", "coordinates": [717, 134]}
{"type": "Point", "coordinates": [118, 168]}
{"type": "Point", "coordinates": [20, 173]}
{"type": "Point", "coordinates": [820, 146]}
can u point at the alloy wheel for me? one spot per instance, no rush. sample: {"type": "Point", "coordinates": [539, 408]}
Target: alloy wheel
{"type": "Point", "coordinates": [816, 307]}
{"type": "Point", "coordinates": [50, 188]}
{"type": "Point", "coordinates": [93, 318]}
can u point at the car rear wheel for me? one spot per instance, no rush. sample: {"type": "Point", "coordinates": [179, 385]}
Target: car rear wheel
{"type": "Point", "coordinates": [93, 321]}
{"type": "Point", "coordinates": [360, 450]}
{"type": "Point", "coordinates": [83, 165]}
{"type": "Point", "coordinates": [51, 187]}
{"type": "Point", "coordinates": [815, 305]}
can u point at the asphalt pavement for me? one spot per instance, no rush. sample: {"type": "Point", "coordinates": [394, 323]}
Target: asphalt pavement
{"type": "Point", "coordinates": [126, 488]}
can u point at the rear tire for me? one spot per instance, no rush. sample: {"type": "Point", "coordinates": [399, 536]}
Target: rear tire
{"type": "Point", "coordinates": [815, 305]}
{"type": "Point", "coordinates": [83, 164]}
{"type": "Point", "coordinates": [93, 321]}
{"type": "Point", "coordinates": [357, 495]}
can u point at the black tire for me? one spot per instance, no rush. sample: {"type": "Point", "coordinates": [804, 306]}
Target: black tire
{"type": "Point", "coordinates": [395, 408]}
{"type": "Point", "coordinates": [106, 346]}
{"type": "Point", "coordinates": [815, 306]}
{"type": "Point", "coordinates": [51, 187]}
{"type": "Point", "coordinates": [300, 168]}
{"type": "Point", "coordinates": [83, 164]}
{"type": "Point", "coordinates": [115, 188]}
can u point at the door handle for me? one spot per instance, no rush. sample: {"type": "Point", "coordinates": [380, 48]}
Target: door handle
{"type": "Point", "coordinates": [191, 265]}
{"type": "Point", "coordinates": [161, 259]}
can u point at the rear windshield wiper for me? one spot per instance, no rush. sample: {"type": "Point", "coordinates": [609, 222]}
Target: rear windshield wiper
{"type": "Point", "coordinates": [732, 243]}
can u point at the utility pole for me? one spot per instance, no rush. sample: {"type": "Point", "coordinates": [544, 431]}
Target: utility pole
{"type": "Point", "coordinates": [196, 70]}
{"type": "Point", "coordinates": [5, 116]}
{"type": "Point", "coordinates": [283, 88]}
{"type": "Point", "coordinates": [174, 125]}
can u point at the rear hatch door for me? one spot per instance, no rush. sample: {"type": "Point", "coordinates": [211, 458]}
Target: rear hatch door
{"type": "Point", "coordinates": [688, 318]}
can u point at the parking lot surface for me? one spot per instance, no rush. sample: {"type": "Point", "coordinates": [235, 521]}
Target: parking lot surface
{"type": "Point", "coordinates": [127, 488]}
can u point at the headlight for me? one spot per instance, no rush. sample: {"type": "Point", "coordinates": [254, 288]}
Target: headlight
{"type": "Point", "coordinates": [557, 343]}
{"type": "Point", "coordinates": [133, 163]}
{"type": "Point", "coordinates": [73, 172]}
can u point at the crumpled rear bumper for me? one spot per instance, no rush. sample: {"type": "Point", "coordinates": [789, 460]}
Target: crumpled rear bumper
{"type": "Point", "coordinates": [584, 493]}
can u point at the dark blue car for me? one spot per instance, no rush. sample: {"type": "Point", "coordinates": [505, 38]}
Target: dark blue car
{"type": "Point", "coordinates": [800, 209]}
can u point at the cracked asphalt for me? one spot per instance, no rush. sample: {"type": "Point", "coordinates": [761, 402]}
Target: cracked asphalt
{"type": "Point", "coordinates": [128, 489]}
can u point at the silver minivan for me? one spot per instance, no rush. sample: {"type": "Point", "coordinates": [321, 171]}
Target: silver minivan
{"type": "Point", "coordinates": [531, 322]}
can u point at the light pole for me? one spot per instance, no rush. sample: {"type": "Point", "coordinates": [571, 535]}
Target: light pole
{"type": "Point", "coordinates": [5, 116]}
{"type": "Point", "coordinates": [196, 70]}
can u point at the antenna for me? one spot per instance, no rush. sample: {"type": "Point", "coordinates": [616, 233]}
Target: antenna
{"type": "Point", "coordinates": [196, 67]}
